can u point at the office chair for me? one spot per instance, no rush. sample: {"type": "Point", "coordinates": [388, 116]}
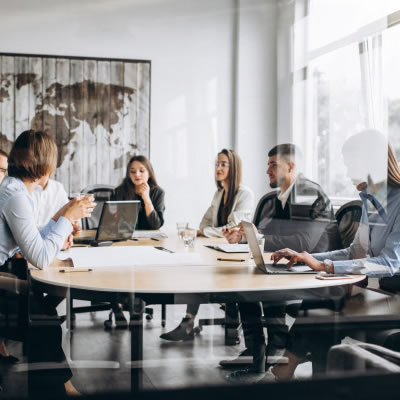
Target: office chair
{"type": "Point", "coordinates": [348, 219]}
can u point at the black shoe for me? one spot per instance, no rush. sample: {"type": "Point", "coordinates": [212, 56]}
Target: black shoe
{"type": "Point", "coordinates": [8, 360]}
{"type": "Point", "coordinates": [243, 360]}
{"type": "Point", "coordinates": [184, 331]}
{"type": "Point", "coordinates": [246, 376]}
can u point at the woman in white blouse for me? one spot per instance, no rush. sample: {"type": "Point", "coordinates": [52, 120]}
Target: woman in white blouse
{"type": "Point", "coordinates": [232, 203]}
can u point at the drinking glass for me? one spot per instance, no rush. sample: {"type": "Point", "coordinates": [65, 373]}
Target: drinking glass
{"type": "Point", "coordinates": [189, 236]}
{"type": "Point", "coordinates": [181, 226]}
{"type": "Point", "coordinates": [261, 243]}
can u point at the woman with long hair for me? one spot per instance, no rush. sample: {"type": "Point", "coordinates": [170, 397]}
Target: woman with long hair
{"type": "Point", "coordinates": [32, 157]}
{"type": "Point", "coordinates": [375, 251]}
{"type": "Point", "coordinates": [232, 203]}
{"type": "Point", "coordinates": [140, 183]}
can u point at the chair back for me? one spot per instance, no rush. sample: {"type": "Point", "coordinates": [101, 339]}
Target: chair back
{"type": "Point", "coordinates": [101, 193]}
{"type": "Point", "coordinates": [348, 219]}
{"type": "Point", "coordinates": [264, 207]}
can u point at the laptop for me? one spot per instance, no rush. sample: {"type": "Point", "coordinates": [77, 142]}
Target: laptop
{"type": "Point", "coordinates": [259, 259]}
{"type": "Point", "coordinates": [117, 222]}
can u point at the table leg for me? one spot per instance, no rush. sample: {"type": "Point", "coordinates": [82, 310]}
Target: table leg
{"type": "Point", "coordinates": [136, 308]}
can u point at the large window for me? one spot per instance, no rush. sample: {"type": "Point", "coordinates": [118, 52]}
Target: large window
{"type": "Point", "coordinates": [346, 74]}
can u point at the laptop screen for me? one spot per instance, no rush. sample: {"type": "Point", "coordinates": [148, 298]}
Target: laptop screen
{"type": "Point", "coordinates": [118, 220]}
{"type": "Point", "coordinates": [253, 244]}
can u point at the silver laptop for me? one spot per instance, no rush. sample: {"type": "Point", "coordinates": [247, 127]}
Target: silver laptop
{"type": "Point", "coordinates": [117, 222]}
{"type": "Point", "coordinates": [259, 259]}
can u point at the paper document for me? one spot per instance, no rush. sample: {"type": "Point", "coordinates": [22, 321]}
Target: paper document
{"type": "Point", "coordinates": [231, 248]}
{"type": "Point", "coordinates": [129, 256]}
{"type": "Point", "coordinates": [149, 234]}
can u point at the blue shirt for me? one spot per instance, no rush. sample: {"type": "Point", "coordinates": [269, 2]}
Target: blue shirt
{"type": "Point", "coordinates": [18, 231]}
{"type": "Point", "coordinates": [375, 250]}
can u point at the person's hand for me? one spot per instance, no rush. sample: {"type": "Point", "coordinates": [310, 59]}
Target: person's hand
{"type": "Point", "coordinates": [77, 209]}
{"type": "Point", "coordinates": [295, 257]}
{"type": "Point", "coordinates": [199, 233]}
{"type": "Point", "coordinates": [233, 235]}
{"type": "Point", "coordinates": [143, 190]}
{"type": "Point", "coordinates": [68, 242]}
{"type": "Point", "coordinates": [76, 227]}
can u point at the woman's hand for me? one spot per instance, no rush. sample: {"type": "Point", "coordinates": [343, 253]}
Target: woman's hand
{"type": "Point", "coordinates": [77, 209]}
{"type": "Point", "coordinates": [295, 257]}
{"type": "Point", "coordinates": [233, 235]}
{"type": "Point", "coordinates": [68, 242]}
{"type": "Point", "coordinates": [143, 190]}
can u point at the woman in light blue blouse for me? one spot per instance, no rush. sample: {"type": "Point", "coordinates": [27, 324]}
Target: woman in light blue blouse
{"type": "Point", "coordinates": [34, 156]}
{"type": "Point", "coordinates": [375, 251]}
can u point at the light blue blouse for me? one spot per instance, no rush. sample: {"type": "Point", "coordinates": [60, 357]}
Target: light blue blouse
{"type": "Point", "coordinates": [18, 231]}
{"type": "Point", "coordinates": [375, 250]}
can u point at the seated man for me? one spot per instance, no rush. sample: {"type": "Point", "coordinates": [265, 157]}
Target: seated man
{"type": "Point", "coordinates": [295, 215]}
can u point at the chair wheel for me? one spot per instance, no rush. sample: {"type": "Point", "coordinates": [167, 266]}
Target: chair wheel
{"type": "Point", "coordinates": [197, 330]}
{"type": "Point", "coordinates": [149, 317]}
{"type": "Point", "coordinates": [108, 324]}
{"type": "Point", "coordinates": [163, 324]}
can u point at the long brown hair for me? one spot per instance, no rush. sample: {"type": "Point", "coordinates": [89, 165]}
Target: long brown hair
{"type": "Point", "coordinates": [234, 177]}
{"type": "Point", "coordinates": [393, 169]}
{"type": "Point", "coordinates": [147, 164]}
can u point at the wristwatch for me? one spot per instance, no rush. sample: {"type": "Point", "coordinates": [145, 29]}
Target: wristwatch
{"type": "Point", "coordinates": [328, 264]}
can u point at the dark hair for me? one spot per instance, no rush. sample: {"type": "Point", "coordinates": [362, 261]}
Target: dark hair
{"type": "Point", "coordinates": [147, 164]}
{"type": "Point", "coordinates": [33, 155]}
{"type": "Point", "coordinates": [3, 153]}
{"type": "Point", "coordinates": [288, 150]}
{"type": "Point", "coordinates": [234, 177]}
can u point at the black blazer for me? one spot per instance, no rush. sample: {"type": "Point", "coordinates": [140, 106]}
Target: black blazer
{"type": "Point", "coordinates": [153, 221]}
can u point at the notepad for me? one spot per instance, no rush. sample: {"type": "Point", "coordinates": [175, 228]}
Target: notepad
{"type": "Point", "coordinates": [149, 234]}
{"type": "Point", "coordinates": [230, 248]}
{"type": "Point", "coordinates": [129, 256]}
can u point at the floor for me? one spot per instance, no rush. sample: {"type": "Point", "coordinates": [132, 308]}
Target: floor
{"type": "Point", "coordinates": [166, 364]}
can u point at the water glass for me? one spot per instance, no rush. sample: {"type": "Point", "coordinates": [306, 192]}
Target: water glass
{"type": "Point", "coordinates": [261, 243]}
{"type": "Point", "coordinates": [181, 226]}
{"type": "Point", "coordinates": [189, 236]}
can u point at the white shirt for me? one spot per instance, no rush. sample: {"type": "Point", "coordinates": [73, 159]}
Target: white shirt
{"type": "Point", "coordinates": [285, 195]}
{"type": "Point", "coordinates": [48, 201]}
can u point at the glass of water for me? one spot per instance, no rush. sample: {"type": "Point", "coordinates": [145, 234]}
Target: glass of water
{"type": "Point", "coordinates": [189, 236]}
{"type": "Point", "coordinates": [181, 226]}
{"type": "Point", "coordinates": [261, 243]}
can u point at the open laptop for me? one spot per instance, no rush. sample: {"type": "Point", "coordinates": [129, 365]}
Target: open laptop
{"type": "Point", "coordinates": [259, 259]}
{"type": "Point", "coordinates": [117, 222]}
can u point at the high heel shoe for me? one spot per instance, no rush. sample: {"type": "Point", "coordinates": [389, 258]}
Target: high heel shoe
{"type": "Point", "coordinates": [184, 331]}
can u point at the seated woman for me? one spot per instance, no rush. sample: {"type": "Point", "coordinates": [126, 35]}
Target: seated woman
{"type": "Point", "coordinates": [232, 203]}
{"type": "Point", "coordinates": [34, 155]}
{"type": "Point", "coordinates": [140, 184]}
{"type": "Point", "coordinates": [375, 251]}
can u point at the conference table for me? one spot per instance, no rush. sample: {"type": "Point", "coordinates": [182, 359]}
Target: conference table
{"type": "Point", "coordinates": [213, 281]}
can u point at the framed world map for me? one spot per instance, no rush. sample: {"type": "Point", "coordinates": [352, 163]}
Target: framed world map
{"type": "Point", "coordinates": [98, 111]}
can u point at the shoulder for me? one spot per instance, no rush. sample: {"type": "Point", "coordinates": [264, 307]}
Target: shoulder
{"type": "Point", "coordinates": [307, 186]}
{"type": "Point", "coordinates": [243, 189]}
{"type": "Point", "coordinates": [157, 192]}
{"type": "Point", "coordinates": [55, 187]}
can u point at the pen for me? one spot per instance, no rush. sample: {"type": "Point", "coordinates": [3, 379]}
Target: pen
{"type": "Point", "coordinates": [134, 239]}
{"type": "Point", "coordinates": [75, 270]}
{"type": "Point", "coordinates": [154, 239]}
{"type": "Point", "coordinates": [230, 259]}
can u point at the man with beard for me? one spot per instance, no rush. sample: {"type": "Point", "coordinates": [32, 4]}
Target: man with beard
{"type": "Point", "coordinates": [295, 216]}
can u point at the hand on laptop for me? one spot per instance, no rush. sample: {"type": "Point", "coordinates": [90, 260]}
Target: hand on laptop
{"type": "Point", "coordinates": [294, 257]}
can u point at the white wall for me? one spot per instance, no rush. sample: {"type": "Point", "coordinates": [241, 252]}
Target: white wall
{"type": "Point", "coordinates": [190, 44]}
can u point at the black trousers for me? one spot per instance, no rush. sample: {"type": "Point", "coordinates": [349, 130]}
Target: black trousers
{"type": "Point", "coordinates": [32, 320]}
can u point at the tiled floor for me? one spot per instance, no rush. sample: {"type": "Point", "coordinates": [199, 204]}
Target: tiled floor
{"type": "Point", "coordinates": [166, 364]}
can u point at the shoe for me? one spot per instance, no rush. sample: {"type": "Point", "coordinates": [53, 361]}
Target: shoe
{"type": "Point", "coordinates": [243, 360]}
{"type": "Point", "coordinates": [245, 376]}
{"type": "Point", "coordinates": [184, 331]}
{"type": "Point", "coordinates": [8, 359]}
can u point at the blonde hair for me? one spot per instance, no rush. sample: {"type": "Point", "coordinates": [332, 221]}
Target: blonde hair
{"type": "Point", "coordinates": [393, 169]}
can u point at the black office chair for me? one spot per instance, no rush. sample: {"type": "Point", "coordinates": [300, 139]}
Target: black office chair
{"type": "Point", "coordinates": [348, 219]}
